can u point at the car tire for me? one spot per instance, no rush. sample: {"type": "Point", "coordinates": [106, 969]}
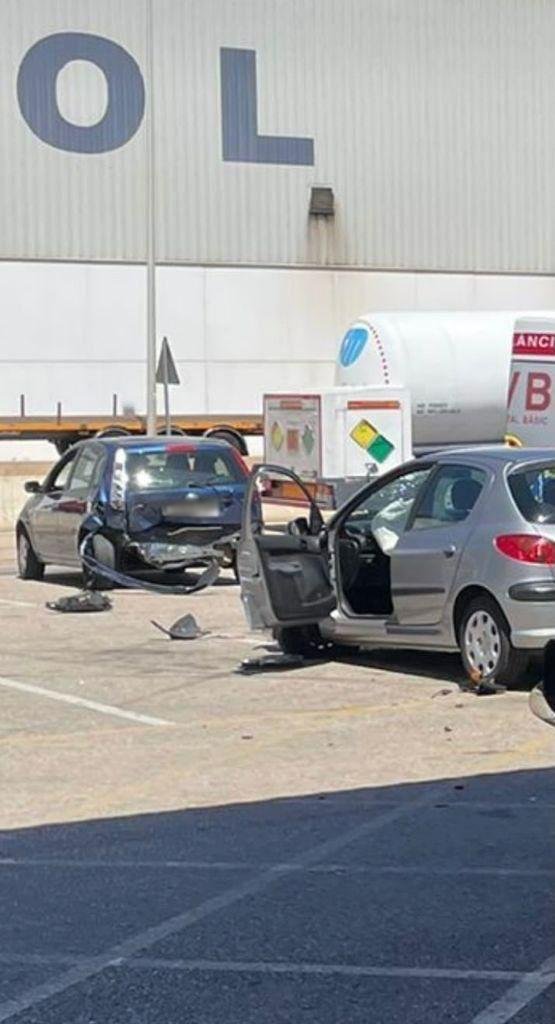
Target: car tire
{"type": "Point", "coordinates": [235, 568]}
{"type": "Point", "coordinates": [29, 566]}
{"type": "Point", "coordinates": [306, 641]}
{"type": "Point", "coordinates": [228, 560]}
{"type": "Point", "coordinates": [485, 645]}
{"type": "Point", "coordinates": [105, 552]}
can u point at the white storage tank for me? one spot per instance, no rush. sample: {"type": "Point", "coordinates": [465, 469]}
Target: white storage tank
{"type": "Point", "coordinates": [455, 365]}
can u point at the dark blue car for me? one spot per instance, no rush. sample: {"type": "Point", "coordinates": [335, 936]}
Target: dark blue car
{"type": "Point", "coordinates": [158, 503]}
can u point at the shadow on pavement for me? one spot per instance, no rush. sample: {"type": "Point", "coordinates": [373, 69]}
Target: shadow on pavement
{"type": "Point", "coordinates": [433, 665]}
{"type": "Point", "coordinates": [416, 903]}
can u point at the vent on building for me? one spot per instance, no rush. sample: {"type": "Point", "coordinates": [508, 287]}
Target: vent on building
{"type": "Point", "coordinates": [322, 201]}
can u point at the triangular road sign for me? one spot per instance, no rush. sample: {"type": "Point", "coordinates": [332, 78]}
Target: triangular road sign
{"type": "Point", "coordinates": [167, 370]}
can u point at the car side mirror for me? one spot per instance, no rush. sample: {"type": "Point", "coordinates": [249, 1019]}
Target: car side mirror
{"type": "Point", "coordinates": [298, 527]}
{"type": "Point", "coordinates": [32, 487]}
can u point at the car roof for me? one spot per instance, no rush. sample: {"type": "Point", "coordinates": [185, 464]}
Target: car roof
{"type": "Point", "coordinates": [142, 441]}
{"type": "Point", "coordinates": [503, 454]}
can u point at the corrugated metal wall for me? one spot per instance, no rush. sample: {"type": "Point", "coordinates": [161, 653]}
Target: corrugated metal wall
{"type": "Point", "coordinates": [431, 119]}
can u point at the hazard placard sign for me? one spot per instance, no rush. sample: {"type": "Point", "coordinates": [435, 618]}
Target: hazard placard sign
{"type": "Point", "coordinates": [292, 433]}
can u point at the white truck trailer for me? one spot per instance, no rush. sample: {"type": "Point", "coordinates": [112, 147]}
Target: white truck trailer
{"type": "Point", "coordinates": [410, 382]}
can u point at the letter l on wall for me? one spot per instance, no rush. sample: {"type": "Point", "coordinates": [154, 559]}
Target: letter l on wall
{"type": "Point", "coordinates": [240, 139]}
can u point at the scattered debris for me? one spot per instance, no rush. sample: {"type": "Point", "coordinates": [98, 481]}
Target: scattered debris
{"type": "Point", "coordinates": [447, 728]}
{"type": "Point", "coordinates": [270, 663]}
{"type": "Point", "coordinates": [247, 736]}
{"type": "Point", "coordinates": [489, 689]}
{"type": "Point", "coordinates": [482, 688]}
{"type": "Point", "coordinates": [185, 628]}
{"type": "Point", "coordinates": [442, 693]}
{"type": "Point", "coordinates": [85, 601]}
{"type": "Point", "coordinates": [458, 785]}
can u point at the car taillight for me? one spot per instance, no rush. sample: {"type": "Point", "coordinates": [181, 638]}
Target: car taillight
{"type": "Point", "coordinates": [119, 481]}
{"type": "Point", "coordinates": [525, 547]}
{"type": "Point", "coordinates": [240, 462]}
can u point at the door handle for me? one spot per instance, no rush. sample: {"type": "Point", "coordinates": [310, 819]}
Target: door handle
{"type": "Point", "coordinates": [450, 551]}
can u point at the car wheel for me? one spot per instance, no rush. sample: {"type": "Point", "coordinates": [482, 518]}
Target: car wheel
{"type": "Point", "coordinates": [304, 640]}
{"type": "Point", "coordinates": [104, 552]}
{"type": "Point", "coordinates": [231, 563]}
{"type": "Point", "coordinates": [29, 567]}
{"type": "Point", "coordinates": [485, 645]}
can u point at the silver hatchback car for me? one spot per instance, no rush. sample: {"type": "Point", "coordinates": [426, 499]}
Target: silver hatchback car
{"type": "Point", "coordinates": [454, 551]}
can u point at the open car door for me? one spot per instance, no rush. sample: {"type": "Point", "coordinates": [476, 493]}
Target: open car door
{"type": "Point", "coordinates": [284, 576]}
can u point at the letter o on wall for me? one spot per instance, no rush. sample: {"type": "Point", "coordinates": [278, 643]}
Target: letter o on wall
{"type": "Point", "coordinates": [36, 92]}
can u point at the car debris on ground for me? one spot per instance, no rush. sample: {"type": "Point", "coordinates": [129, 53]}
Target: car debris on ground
{"type": "Point", "coordinates": [271, 663]}
{"type": "Point", "coordinates": [85, 601]}
{"type": "Point", "coordinates": [185, 628]}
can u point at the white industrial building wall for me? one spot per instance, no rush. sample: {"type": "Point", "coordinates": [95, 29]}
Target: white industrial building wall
{"type": "Point", "coordinates": [75, 333]}
{"type": "Point", "coordinates": [431, 119]}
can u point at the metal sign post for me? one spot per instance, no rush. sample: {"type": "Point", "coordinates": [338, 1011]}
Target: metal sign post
{"type": "Point", "coordinates": [167, 374]}
{"type": "Point", "coordinates": [150, 230]}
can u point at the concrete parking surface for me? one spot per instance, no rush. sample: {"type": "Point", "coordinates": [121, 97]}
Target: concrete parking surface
{"type": "Point", "coordinates": [354, 842]}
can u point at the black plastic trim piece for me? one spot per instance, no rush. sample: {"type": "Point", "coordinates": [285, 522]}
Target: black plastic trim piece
{"type": "Point", "coordinates": [540, 590]}
{"type": "Point", "coordinates": [408, 591]}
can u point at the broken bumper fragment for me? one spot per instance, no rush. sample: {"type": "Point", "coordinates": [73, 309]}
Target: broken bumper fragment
{"type": "Point", "coordinates": [160, 555]}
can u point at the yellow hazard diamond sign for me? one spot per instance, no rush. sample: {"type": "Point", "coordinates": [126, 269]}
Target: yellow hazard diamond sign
{"type": "Point", "coordinates": [377, 446]}
{"type": "Point", "coordinates": [364, 433]}
{"type": "Point", "coordinates": [277, 437]}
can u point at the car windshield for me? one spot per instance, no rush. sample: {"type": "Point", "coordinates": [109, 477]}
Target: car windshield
{"type": "Point", "coordinates": [176, 467]}
{"type": "Point", "coordinates": [533, 490]}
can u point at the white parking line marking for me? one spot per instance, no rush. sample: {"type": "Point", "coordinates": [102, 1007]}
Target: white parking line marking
{"type": "Point", "coordinates": [148, 938]}
{"type": "Point", "coordinates": [433, 870]}
{"type": "Point", "coordinates": [519, 996]}
{"type": "Point", "coordinates": [350, 970]}
{"type": "Point", "coordinates": [82, 702]}
{"type": "Point", "coordinates": [18, 604]}
{"type": "Point", "coordinates": [265, 967]}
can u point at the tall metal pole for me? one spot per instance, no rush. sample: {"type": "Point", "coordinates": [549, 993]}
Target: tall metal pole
{"type": "Point", "coordinates": [150, 227]}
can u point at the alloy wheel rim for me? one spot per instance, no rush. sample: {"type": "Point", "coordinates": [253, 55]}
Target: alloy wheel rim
{"type": "Point", "coordinates": [482, 643]}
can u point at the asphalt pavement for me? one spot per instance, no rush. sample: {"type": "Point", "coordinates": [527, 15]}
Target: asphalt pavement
{"type": "Point", "coordinates": [354, 842]}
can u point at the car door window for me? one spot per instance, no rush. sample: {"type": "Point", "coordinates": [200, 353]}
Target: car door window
{"type": "Point", "coordinates": [449, 497]}
{"type": "Point", "coordinates": [385, 511]}
{"type": "Point", "coordinates": [368, 536]}
{"type": "Point", "coordinates": [58, 479]}
{"type": "Point", "coordinates": [85, 471]}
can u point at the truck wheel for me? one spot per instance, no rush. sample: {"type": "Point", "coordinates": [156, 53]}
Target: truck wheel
{"type": "Point", "coordinates": [232, 437]}
{"type": "Point", "coordinates": [113, 432]}
{"type": "Point", "coordinates": [485, 645]}
{"type": "Point", "coordinates": [63, 444]}
{"type": "Point", "coordinates": [29, 567]}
